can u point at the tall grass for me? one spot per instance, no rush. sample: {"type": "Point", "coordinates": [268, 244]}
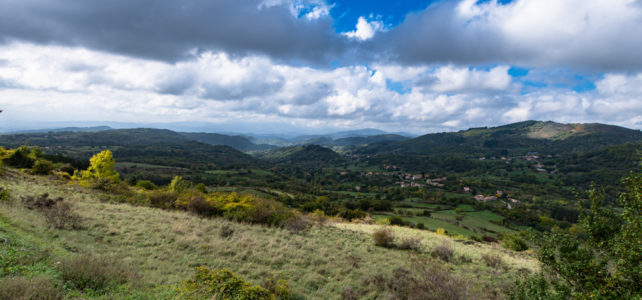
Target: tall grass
{"type": "Point", "coordinates": [165, 245]}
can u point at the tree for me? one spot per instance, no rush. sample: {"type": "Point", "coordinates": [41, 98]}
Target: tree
{"type": "Point", "coordinates": [599, 258]}
{"type": "Point", "coordinates": [101, 166]}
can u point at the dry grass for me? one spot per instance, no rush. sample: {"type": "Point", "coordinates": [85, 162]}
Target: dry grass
{"type": "Point", "coordinates": [164, 246]}
{"type": "Point", "coordinates": [20, 288]}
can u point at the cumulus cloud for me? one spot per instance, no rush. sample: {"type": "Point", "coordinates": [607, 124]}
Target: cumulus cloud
{"type": "Point", "coordinates": [584, 34]}
{"type": "Point", "coordinates": [71, 83]}
{"type": "Point", "coordinates": [581, 34]}
{"type": "Point", "coordinates": [458, 79]}
{"type": "Point", "coordinates": [365, 29]}
{"type": "Point", "coordinates": [174, 30]}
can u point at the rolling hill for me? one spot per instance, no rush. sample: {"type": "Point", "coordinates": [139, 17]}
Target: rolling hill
{"type": "Point", "coordinates": [512, 139]}
{"type": "Point", "coordinates": [361, 140]}
{"type": "Point", "coordinates": [142, 145]}
{"type": "Point", "coordinates": [307, 155]}
{"type": "Point", "coordinates": [237, 142]}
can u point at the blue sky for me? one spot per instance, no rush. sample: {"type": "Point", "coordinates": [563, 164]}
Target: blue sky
{"type": "Point", "coordinates": [346, 13]}
{"type": "Point", "coordinates": [320, 65]}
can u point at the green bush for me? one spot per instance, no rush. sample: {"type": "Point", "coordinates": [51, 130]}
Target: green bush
{"type": "Point", "coordinates": [220, 284]}
{"type": "Point", "coordinates": [395, 220]}
{"type": "Point", "coordinates": [42, 167]}
{"type": "Point", "coordinates": [40, 288]}
{"type": "Point", "coordinates": [24, 157]}
{"type": "Point", "coordinates": [515, 243]}
{"type": "Point", "coordinates": [278, 288]}
{"type": "Point", "coordinates": [146, 184]}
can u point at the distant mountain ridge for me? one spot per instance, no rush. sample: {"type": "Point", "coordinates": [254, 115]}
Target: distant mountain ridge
{"type": "Point", "coordinates": [534, 136]}
{"type": "Point", "coordinates": [144, 145]}
{"type": "Point", "coordinates": [63, 129]}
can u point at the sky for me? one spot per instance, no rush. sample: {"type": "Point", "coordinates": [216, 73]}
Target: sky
{"type": "Point", "coordinates": [320, 65]}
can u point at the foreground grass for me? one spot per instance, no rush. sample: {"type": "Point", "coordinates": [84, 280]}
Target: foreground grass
{"type": "Point", "coordinates": [165, 246]}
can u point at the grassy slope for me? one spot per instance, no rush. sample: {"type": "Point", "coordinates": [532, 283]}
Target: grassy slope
{"type": "Point", "coordinates": [164, 245]}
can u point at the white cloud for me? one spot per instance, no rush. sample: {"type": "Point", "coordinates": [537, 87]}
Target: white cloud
{"type": "Point", "coordinates": [451, 79]}
{"type": "Point", "coordinates": [63, 84]}
{"type": "Point", "coordinates": [596, 34]}
{"type": "Point", "coordinates": [365, 29]}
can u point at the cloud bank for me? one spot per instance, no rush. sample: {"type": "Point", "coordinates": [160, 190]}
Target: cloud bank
{"type": "Point", "coordinates": [450, 66]}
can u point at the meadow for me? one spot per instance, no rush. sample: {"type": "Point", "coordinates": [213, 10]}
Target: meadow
{"type": "Point", "coordinates": [329, 261]}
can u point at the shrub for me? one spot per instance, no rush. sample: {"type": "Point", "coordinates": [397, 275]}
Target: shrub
{"type": "Point", "coordinates": [57, 213]}
{"type": "Point", "coordinates": [536, 287]}
{"type": "Point", "coordinates": [107, 185]}
{"type": "Point", "coordinates": [61, 216]}
{"type": "Point", "coordinates": [515, 243]}
{"type": "Point", "coordinates": [278, 288]}
{"type": "Point", "coordinates": [441, 231]}
{"type": "Point", "coordinates": [220, 284]}
{"type": "Point", "coordinates": [298, 224]}
{"type": "Point", "coordinates": [40, 202]}
{"type": "Point", "coordinates": [443, 252]}
{"type": "Point", "coordinates": [23, 157]}
{"type": "Point", "coordinates": [42, 167]}
{"type": "Point", "coordinates": [66, 168]}
{"type": "Point", "coordinates": [194, 201]}
{"type": "Point", "coordinates": [318, 216]}
{"type": "Point", "coordinates": [493, 260]}
{"type": "Point", "coordinates": [162, 198]}
{"type": "Point", "coordinates": [395, 220]}
{"type": "Point", "coordinates": [22, 288]}
{"type": "Point", "coordinates": [410, 244]}
{"type": "Point", "coordinates": [146, 184]}
{"type": "Point", "coordinates": [178, 185]}
{"type": "Point", "coordinates": [489, 239]}
{"type": "Point", "coordinates": [384, 237]}
{"type": "Point", "coordinates": [4, 194]}
{"type": "Point", "coordinates": [425, 280]}
{"type": "Point", "coordinates": [226, 231]}
{"type": "Point", "coordinates": [421, 226]}
{"type": "Point", "coordinates": [95, 273]}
